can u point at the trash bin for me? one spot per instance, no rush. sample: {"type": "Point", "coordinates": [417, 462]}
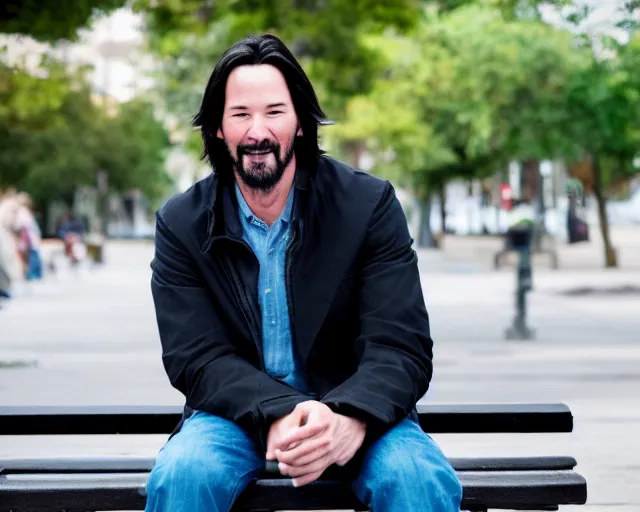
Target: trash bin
{"type": "Point", "coordinates": [518, 238]}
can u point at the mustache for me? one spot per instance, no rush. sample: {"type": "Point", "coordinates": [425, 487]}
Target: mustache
{"type": "Point", "coordinates": [265, 145]}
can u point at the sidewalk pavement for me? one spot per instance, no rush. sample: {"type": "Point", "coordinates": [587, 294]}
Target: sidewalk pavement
{"type": "Point", "coordinates": [92, 339]}
{"type": "Point", "coordinates": [475, 253]}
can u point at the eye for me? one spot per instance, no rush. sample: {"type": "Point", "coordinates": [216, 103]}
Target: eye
{"type": "Point", "coordinates": [241, 114]}
{"type": "Point", "coordinates": [274, 112]}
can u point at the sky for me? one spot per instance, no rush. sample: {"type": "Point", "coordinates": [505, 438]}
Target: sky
{"type": "Point", "coordinates": [604, 14]}
{"type": "Point", "coordinates": [114, 46]}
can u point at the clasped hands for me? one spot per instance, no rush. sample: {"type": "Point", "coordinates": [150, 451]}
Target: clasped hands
{"type": "Point", "coordinates": [310, 439]}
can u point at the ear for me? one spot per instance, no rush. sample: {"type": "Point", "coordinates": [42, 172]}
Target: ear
{"type": "Point", "coordinates": [219, 134]}
{"type": "Point", "coordinates": [299, 132]}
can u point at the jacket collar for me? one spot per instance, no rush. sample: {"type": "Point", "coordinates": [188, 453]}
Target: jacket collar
{"type": "Point", "coordinates": [222, 208]}
{"type": "Point", "coordinates": [248, 214]}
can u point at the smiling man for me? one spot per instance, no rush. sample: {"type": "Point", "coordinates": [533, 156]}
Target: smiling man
{"type": "Point", "coordinates": [289, 308]}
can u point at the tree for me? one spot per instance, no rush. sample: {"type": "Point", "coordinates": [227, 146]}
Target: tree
{"type": "Point", "coordinates": [35, 111]}
{"type": "Point", "coordinates": [467, 92]}
{"type": "Point", "coordinates": [32, 101]}
{"type": "Point", "coordinates": [510, 9]}
{"type": "Point", "coordinates": [51, 150]}
{"type": "Point", "coordinates": [188, 37]}
{"type": "Point", "coordinates": [52, 20]}
{"type": "Point", "coordinates": [54, 137]}
{"type": "Point", "coordinates": [133, 149]}
{"type": "Point", "coordinates": [604, 101]}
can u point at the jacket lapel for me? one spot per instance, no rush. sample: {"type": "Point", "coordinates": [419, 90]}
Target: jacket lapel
{"type": "Point", "coordinates": [331, 237]}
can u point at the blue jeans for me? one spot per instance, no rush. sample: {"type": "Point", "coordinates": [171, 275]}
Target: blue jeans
{"type": "Point", "coordinates": [34, 270]}
{"type": "Point", "coordinates": [208, 464]}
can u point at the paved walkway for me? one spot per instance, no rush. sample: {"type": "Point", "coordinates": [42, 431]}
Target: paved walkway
{"type": "Point", "coordinates": [92, 339]}
{"type": "Point", "coordinates": [475, 253]}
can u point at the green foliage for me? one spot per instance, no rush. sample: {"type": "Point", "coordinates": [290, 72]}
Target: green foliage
{"type": "Point", "coordinates": [133, 150]}
{"type": "Point", "coordinates": [466, 92]}
{"type": "Point", "coordinates": [604, 104]}
{"type": "Point", "coordinates": [188, 37]}
{"type": "Point", "coordinates": [32, 101]}
{"type": "Point", "coordinates": [510, 9]}
{"type": "Point", "coordinates": [435, 89]}
{"type": "Point", "coordinates": [60, 139]}
{"type": "Point", "coordinates": [51, 20]}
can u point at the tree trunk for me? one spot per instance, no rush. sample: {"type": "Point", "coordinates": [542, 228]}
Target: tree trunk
{"type": "Point", "coordinates": [354, 151]}
{"type": "Point", "coordinates": [442, 195]}
{"type": "Point", "coordinates": [610, 256]}
{"type": "Point", "coordinates": [425, 238]}
{"type": "Point", "coordinates": [529, 180]}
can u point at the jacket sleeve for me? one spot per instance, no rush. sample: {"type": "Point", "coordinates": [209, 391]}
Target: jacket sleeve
{"type": "Point", "coordinates": [394, 343]}
{"type": "Point", "coordinates": [199, 357]}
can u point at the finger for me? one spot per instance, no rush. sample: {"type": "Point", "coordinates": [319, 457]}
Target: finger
{"type": "Point", "coordinates": [307, 479]}
{"type": "Point", "coordinates": [286, 448]}
{"type": "Point", "coordinates": [305, 460]}
{"type": "Point", "coordinates": [271, 450]}
{"type": "Point", "coordinates": [297, 417]}
{"type": "Point", "coordinates": [301, 433]}
{"type": "Point", "coordinates": [296, 471]}
{"type": "Point", "coordinates": [290, 447]}
{"type": "Point", "coordinates": [302, 449]}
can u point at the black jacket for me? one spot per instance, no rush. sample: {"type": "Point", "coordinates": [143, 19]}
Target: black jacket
{"type": "Point", "coordinates": [358, 318]}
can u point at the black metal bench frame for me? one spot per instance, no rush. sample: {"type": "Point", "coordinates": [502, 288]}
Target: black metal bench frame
{"type": "Point", "coordinates": [117, 483]}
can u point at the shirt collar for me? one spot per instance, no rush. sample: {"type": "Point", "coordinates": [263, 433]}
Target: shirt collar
{"type": "Point", "coordinates": [245, 210]}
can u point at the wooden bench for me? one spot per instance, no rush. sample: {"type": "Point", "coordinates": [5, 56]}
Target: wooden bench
{"type": "Point", "coordinates": [118, 483]}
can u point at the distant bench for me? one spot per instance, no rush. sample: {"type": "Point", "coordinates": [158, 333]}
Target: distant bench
{"type": "Point", "coordinates": [118, 483]}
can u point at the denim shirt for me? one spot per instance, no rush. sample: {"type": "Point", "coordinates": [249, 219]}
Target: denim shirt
{"type": "Point", "coordinates": [269, 244]}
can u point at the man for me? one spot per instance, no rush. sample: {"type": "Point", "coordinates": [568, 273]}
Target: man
{"type": "Point", "coordinates": [289, 308]}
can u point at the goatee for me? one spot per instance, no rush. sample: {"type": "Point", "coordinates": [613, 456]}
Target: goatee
{"type": "Point", "coordinates": [261, 175]}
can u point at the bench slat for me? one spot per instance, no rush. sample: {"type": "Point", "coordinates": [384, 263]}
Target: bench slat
{"type": "Point", "coordinates": [107, 419]}
{"type": "Point", "coordinates": [125, 491]}
{"type": "Point", "coordinates": [140, 464]}
{"type": "Point", "coordinates": [498, 490]}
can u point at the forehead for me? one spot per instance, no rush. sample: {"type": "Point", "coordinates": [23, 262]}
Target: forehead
{"type": "Point", "coordinates": [256, 85]}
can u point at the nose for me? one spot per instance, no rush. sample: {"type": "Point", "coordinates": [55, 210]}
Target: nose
{"type": "Point", "coordinates": [258, 130]}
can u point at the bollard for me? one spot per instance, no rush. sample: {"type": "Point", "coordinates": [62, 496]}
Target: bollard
{"type": "Point", "coordinates": [521, 242]}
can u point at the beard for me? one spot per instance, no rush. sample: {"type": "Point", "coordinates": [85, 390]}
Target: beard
{"type": "Point", "coordinates": [263, 176]}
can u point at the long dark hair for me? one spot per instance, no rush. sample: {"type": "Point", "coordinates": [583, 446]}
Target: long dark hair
{"type": "Point", "coordinates": [262, 49]}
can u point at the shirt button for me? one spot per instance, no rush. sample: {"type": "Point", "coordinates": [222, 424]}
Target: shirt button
{"type": "Point", "coordinates": [268, 290]}
{"type": "Point", "coordinates": [271, 251]}
{"type": "Point", "coordinates": [273, 322]}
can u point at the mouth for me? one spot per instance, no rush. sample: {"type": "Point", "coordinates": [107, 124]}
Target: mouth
{"type": "Point", "coordinates": [257, 153]}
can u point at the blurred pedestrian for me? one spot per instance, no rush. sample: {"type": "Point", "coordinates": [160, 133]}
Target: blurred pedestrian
{"type": "Point", "coordinates": [29, 238]}
{"type": "Point", "coordinates": [71, 232]}
{"type": "Point", "coordinates": [10, 265]}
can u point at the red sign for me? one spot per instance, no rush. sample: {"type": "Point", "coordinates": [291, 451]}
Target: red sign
{"type": "Point", "coordinates": [506, 196]}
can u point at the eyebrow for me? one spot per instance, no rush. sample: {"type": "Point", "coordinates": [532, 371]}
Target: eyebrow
{"type": "Point", "coordinates": [270, 105]}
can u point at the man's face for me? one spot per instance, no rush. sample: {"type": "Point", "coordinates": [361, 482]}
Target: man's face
{"type": "Point", "coordinates": [259, 124]}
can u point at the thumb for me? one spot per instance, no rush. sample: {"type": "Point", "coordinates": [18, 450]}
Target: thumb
{"type": "Point", "coordinates": [271, 451]}
{"type": "Point", "coordinates": [300, 414]}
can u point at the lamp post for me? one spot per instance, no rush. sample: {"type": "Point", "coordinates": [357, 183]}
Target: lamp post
{"type": "Point", "coordinates": [520, 238]}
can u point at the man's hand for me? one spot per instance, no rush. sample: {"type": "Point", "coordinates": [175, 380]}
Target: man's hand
{"type": "Point", "coordinates": [321, 438]}
{"type": "Point", "coordinates": [281, 428]}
